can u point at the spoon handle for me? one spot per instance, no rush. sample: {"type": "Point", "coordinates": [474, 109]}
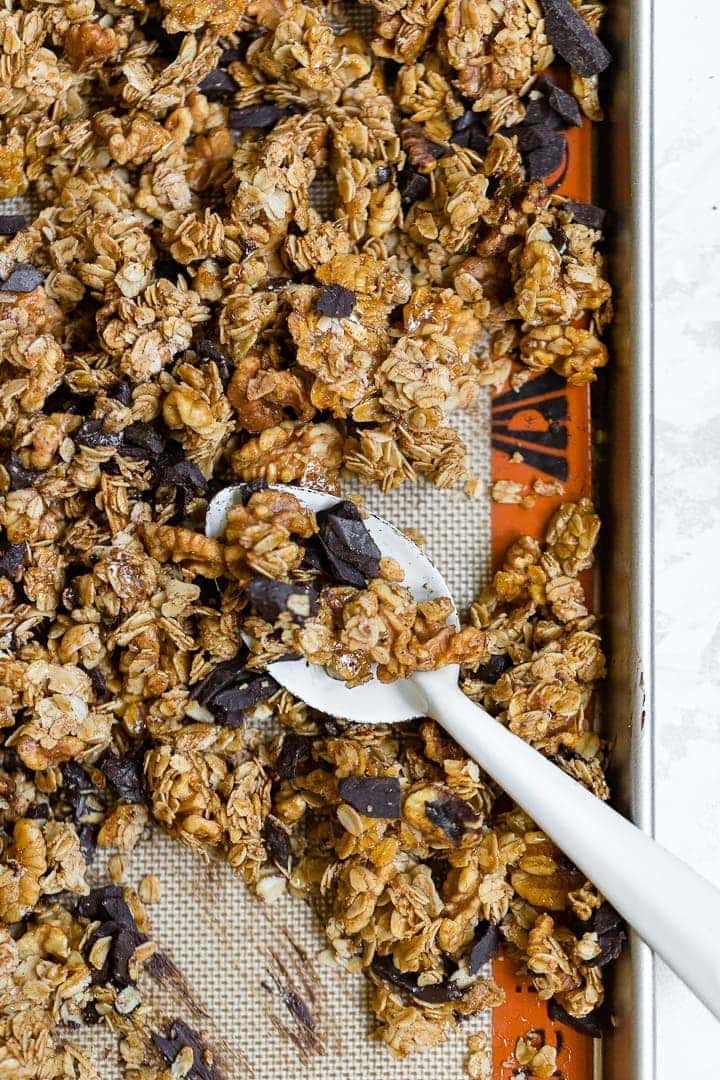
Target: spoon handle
{"type": "Point", "coordinates": [670, 906]}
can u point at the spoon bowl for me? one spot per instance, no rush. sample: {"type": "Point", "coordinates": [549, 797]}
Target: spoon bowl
{"type": "Point", "coordinates": [372, 702]}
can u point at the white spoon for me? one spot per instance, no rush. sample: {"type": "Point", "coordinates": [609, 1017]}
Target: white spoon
{"type": "Point", "coordinates": [670, 906]}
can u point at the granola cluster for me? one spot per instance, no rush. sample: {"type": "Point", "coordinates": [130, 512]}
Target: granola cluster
{"type": "Point", "coordinates": [271, 248]}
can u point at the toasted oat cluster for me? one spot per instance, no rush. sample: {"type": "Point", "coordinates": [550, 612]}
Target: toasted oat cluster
{"type": "Point", "coordinates": [270, 247]}
{"type": "Point", "coordinates": [318, 586]}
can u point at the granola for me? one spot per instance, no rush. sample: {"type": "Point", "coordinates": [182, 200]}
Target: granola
{"type": "Point", "coordinates": [183, 312]}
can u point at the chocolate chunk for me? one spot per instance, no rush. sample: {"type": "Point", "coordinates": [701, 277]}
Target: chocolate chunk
{"type": "Point", "coordinates": [93, 434]}
{"type": "Point", "coordinates": [593, 217]}
{"type": "Point", "coordinates": [295, 755]}
{"type": "Point", "coordinates": [257, 116]}
{"type": "Point", "coordinates": [10, 224]}
{"type": "Point", "coordinates": [98, 682]}
{"type": "Point", "coordinates": [90, 1014]}
{"type": "Point", "coordinates": [13, 560]}
{"type": "Point", "coordinates": [87, 838]}
{"type": "Point", "coordinates": [222, 676]}
{"type": "Point", "coordinates": [23, 278]}
{"type": "Point", "coordinates": [145, 438]}
{"type": "Point", "coordinates": [350, 550]}
{"type": "Point", "coordinates": [607, 924]}
{"type": "Point", "coordinates": [451, 814]}
{"type": "Point", "coordinates": [413, 186]}
{"type": "Point", "coordinates": [123, 775]}
{"type": "Point", "coordinates": [121, 391]}
{"type": "Point", "coordinates": [383, 173]}
{"type": "Point", "coordinates": [230, 689]}
{"type": "Point", "coordinates": [544, 160]}
{"type": "Point", "coordinates": [487, 941]}
{"type": "Point", "coordinates": [63, 400]}
{"type": "Point", "coordinates": [229, 56]}
{"type": "Point", "coordinates": [270, 598]}
{"type": "Point", "coordinates": [179, 1036]}
{"type": "Point", "coordinates": [207, 350]}
{"type": "Point", "coordinates": [565, 106]}
{"type": "Point", "coordinates": [277, 843]}
{"type": "Point", "coordinates": [373, 796]}
{"type": "Point", "coordinates": [595, 1024]}
{"type": "Point", "coordinates": [245, 693]}
{"type": "Point", "coordinates": [438, 993]}
{"type": "Point", "coordinates": [538, 113]}
{"type": "Point", "coordinates": [467, 120]}
{"type": "Point", "coordinates": [39, 811]}
{"type": "Point", "coordinates": [559, 238]}
{"type": "Point", "coordinates": [92, 906]}
{"type": "Point", "coordinates": [336, 302]}
{"type": "Point", "coordinates": [297, 1008]}
{"type": "Point", "coordinates": [496, 666]}
{"type": "Point", "coordinates": [20, 477]}
{"type": "Point", "coordinates": [573, 39]}
{"type": "Point", "coordinates": [217, 85]}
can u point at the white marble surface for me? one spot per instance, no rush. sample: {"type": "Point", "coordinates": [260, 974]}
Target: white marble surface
{"type": "Point", "coordinates": [687, 321]}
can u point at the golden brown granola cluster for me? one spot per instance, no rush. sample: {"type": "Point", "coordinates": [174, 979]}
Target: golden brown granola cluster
{"type": "Point", "coordinates": [271, 248]}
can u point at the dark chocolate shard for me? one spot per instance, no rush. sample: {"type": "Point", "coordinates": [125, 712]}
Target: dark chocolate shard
{"type": "Point", "coordinates": [336, 302]}
{"type": "Point", "coordinates": [245, 693]}
{"type": "Point", "coordinates": [559, 238]}
{"type": "Point", "coordinates": [295, 755]}
{"type": "Point", "coordinates": [11, 224]}
{"type": "Point", "coordinates": [573, 39]}
{"type": "Point", "coordinates": [277, 843]}
{"type": "Point", "coordinates": [452, 815]}
{"type": "Point", "coordinates": [271, 598]}
{"type": "Point", "coordinates": [93, 434]}
{"type": "Point", "coordinates": [230, 56]}
{"type": "Point", "coordinates": [179, 1036]}
{"type": "Point", "coordinates": [124, 776]}
{"type": "Point", "coordinates": [439, 993]}
{"type": "Point", "coordinates": [486, 944]}
{"type": "Point", "coordinates": [208, 350]}
{"type": "Point", "coordinates": [544, 160]}
{"type": "Point", "coordinates": [435, 994]}
{"type": "Point", "coordinates": [383, 173]}
{"type": "Point", "coordinates": [217, 85]}
{"type": "Point", "coordinates": [593, 217]}
{"type": "Point", "coordinates": [13, 560]}
{"type": "Point", "coordinates": [538, 113]}
{"type": "Point", "coordinates": [23, 278]}
{"type": "Point", "coordinates": [229, 689]}
{"type": "Point", "coordinates": [98, 682]}
{"type": "Point", "coordinates": [121, 391]}
{"type": "Point", "coordinates": [352, 553]}
{"type": "Point", "coordinates": [608, 926]}
{"type": "Point", "coordinates": [413, 186]}
{"type": "Point", "coordinates": [146, 438]}
{"type": "Point", "coordinates": [107, 906]}
{"type": "Point", "coordinates": [92, 906]}
{"type": "Point", "coordinates": [373, 796]}
{"type": "Point", "coordinates": [222, 676]}
{"type": "Point", "coordinates": [595, 1024]}
{"type": "Point", "coordinates": [496, 666]}
{"type": "Point", "coordinates": [20, 477]}
{"type": "Point", "coordinates": [564, 105]}
{"type": "Point", "coordinates": [257, 116]}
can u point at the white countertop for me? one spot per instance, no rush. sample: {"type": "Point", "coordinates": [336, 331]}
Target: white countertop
{"type": "Point", "coordinates": [687, 557]}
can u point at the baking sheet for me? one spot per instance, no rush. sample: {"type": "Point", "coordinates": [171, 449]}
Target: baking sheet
{"type": "Point", "coordinates": [238, 958]}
